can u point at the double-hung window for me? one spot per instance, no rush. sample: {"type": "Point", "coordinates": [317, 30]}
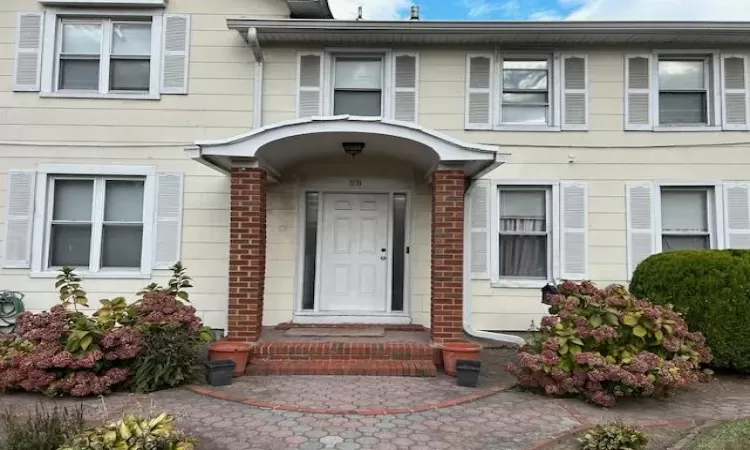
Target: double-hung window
{"type": "Point", "coordinates": [684, 88]}
{"type": "Point", "coordinates": [686, 218]}
{"type": "Point", "coordinates": [524, 232]}
{"type": "Point", "coordinates": [358, 85]}
{"type": "Point", "coordinates": [95, 223]}
{"type": "Point", "coordinates": [526, 91]}
{"type": "Point", "coordinates": [104, 55]}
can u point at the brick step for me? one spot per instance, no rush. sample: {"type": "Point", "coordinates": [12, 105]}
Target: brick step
{"type": "Point", "coordinates": [381, 368]}
{"type": "Point", "coordinates": [336, 351]}
{"type": "Point", "coordinates": [355, 326]}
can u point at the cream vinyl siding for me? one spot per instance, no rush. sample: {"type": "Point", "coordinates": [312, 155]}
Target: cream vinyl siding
{"type": "Point", "coordinates": [219, 104]}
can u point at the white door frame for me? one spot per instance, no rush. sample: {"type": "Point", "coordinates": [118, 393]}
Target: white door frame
{"type": "Point", "coordinates": [353, 185]}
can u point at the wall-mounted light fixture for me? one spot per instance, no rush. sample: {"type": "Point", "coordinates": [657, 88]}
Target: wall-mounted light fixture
{"type": "Point", "coordinates": [353, 148]}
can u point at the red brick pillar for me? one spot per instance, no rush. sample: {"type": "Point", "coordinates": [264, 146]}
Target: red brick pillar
{"type": "Point", "coordinates": [247, 253]}
{"type": "Point", "coordinates": [447, 272]}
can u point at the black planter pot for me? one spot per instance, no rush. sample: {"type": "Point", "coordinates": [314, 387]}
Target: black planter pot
{"type": "Point", "coordinates": [467, 372]}
{"type": "Point", "coordinates": [219, 373]}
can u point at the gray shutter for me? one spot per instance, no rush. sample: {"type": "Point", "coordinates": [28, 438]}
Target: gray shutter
{"type": "Point", "coordinates": [640, 223]}
{"type": "Point", "coordinates": [175, 54]}
{"type": "Point", "coordinates": [405, 87]}
{"type": "Point", "coordinates": [479, 92]}
{"type": "Point", "coordinates": [737, 215]}
{"type": "Point", "coordinates": [479, 223]}
{"type": "Point", "coordinates": [28, 68]}
{"type": "Point", "coordinates": [574, 94]}
{"type": "Point", "coordinates": [574, 231]}
{"type": "Point", "coordinates": [19, 215]}
{"type": "Point", "coordinates": [168, 219]}
{"type": "Point", "coordinates": [310, 102]}
{"type": "Point", "coordinates": [638, 107]}
{"type": "Point", "coordinates": [735, 92]}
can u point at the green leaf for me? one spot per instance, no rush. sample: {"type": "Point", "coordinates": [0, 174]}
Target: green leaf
{"type": "Point", "coordinates": [561, 340]}
{"type": "Point", "coordinates": [612, 319]}
{"type": "Point", "coordinates": [183, 295]}
{"type": "Point", "coordinates": [577, 341]}
{"type": "Point", "coordinates": [668, 328]}
{"type": "Point", "coordinates": [630, 320]}
{"type": "Point", "coordinates": [86, 342]}
{"type": "Point", "coordinates": [563, 350]}
{"type": "Point", "coordinates": [595, 321]}
{"type": "Point", "coordinates": [574, 350]}
{"type": "Point", "coordinates": [639, 331]}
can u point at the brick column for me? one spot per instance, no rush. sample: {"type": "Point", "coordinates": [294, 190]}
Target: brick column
{"type": "Point", "coordinates": [447, 272]}
{"type": "Point", "coordinates": [247, 253]}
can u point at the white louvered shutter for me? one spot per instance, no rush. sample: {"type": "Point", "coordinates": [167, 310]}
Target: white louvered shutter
{"type": "Point", "coordinates": [638, 107]}
{"type": "Point", "coordinates": [168, 219]}
{"type": "Point", "coordinates": [575, 93]}
{"type": "Point", "coordinates": [735, 92]}
{"type": "Point", "coordinates": [640, 223]}
{"type": "Point", "coordinates": [405, 87]}
{"type": "Point", "coordinates": [309, 101]}
{"type": "Point", "coordinates": [737, 215]}
{"type": "Point", "coordinates": [28, 68]}
{"type": "Point", "coordinates": [573, 231]}
{"type": "Point", "coordinates": [479, 92]}
{"type": "Point", "coordinates": [479, 223]}
{"type": "Point", "coordinates": [175, 54]}
{"type": "Point", "coordinates": [19, 218]}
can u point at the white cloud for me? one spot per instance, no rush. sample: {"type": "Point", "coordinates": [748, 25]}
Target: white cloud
{"type": "Point", "coordinates": [373, 9]}
{"type": "Point", "coordinates": [685, 10]}
{"type": "Point", "coordinates": [478, 9]}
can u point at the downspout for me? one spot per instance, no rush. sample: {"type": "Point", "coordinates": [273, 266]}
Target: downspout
{"type": "Point", "coordinates": [252, 40]}
{"type": "Point", "coordinates": [467, 310]}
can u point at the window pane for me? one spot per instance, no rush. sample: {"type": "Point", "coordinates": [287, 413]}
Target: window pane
{"type": "Point", "coordinates": [522, 204]}
{"type": "Point", "coordinates": [679, 75]}
{"type": "Point", "coordinates": [130, 75]}
{"type": "Point", "coordinates": [525, 98]}
{"type": "Point", "coordinates": [70, 245]}
{"type": "Point", "coordinates": [131, 39]}
{"type": "Point", "coordinates": [311, 249]}
{"type": "Point", "coordinates": [519, 64]}
{"type": "Point", "coordinates": [684, 210]}
{"type": "Point", "coordinates": [359, 74]}
{"type": "Point", "coordinates": [683, 108]}
{"type": "Point", "coordinates": [123, 201]}
{"type": "Point", "coordinates": [672, 243]}
{"type": "Point", "coordinates": [357, 103]}
{"type": "Point", "coordinates": [79, 38]}
{"type": "Point", "coordinates": [524, 114]}
{"type": "Point", "coordinates": [523, 256]}
{"type": "Point", "coordinates": [399, 252]}
{"type": "Point", "coordinates": [524, 79]}
{"type": "Point", "coordinates": [79, 74]}
{"type": "Point", "coordinates": [121, 245]}
{"type": "Point", "coordinates": [73, 199]}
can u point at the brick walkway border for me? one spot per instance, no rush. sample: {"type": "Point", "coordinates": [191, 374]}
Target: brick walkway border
{"type": "Point", "coordinates": [230, 397]}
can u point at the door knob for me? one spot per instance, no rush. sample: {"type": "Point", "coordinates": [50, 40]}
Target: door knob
{"type": "Point", "coordinates": [383, 250]}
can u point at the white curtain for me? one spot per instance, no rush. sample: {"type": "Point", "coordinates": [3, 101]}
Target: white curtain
{"type": "Point", "coordinates": [523, 211]}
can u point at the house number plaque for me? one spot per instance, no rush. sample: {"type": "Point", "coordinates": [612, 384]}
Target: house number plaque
{"type": "Point", "coordinates": [355, 183]}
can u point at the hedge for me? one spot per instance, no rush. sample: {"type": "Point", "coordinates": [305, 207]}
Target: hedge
{"type": "Point", "coordinates": [712, 289]}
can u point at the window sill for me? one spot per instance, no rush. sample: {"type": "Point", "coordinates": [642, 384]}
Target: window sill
{"type": "Point", "coordinates": [521, 284]}
{"type": "Point", "coordinates": [97, 95]}
{"type": "Point", "coordinates": [97, 275]}
{"type": "Point", "coordinates": [662, 129]}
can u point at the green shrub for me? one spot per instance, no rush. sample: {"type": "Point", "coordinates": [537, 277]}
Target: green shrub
{"type": "Point", "coordinates": [601, 344]}
{"type": "Point", "coordinates": [45, 429]}
{"type": "Point", "coordinates": [711, 288]}
{"type": "Point", "coordinates": [613, 436]}
{"type": "Point", "coordinates": [132, 433]}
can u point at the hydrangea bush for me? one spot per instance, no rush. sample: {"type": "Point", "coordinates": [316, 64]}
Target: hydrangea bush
{"type": "Point", "coordinates": [601, 344]}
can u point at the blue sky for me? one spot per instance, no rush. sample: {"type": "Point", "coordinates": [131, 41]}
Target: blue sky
{"type": "Point", "coordinates": [684, 10]}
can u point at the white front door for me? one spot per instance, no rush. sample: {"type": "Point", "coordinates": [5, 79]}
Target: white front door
{"type": "Point", "coordinates": [354, 253]}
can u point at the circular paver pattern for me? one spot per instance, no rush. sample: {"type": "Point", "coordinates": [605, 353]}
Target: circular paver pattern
{"type": "Point", "coordinates": [348, 394]}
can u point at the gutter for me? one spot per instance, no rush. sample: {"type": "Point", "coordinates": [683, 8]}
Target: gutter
{"type": "Point", "coordinates": [252, 40]}
{"type": "Point", "coordinates": [468, 328]}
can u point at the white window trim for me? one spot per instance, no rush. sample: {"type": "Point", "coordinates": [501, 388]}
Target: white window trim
{"type": "Point", "coordinates": [42, 201]}
{"type": "Point", "coordinates": [715, 210]}
{"type": "Point", "coordinates": [50, 59]}
{"type": "Point", "coordinates": [553, 221]}
{"type": "Point", "coordinates": [713, 82]}
{"type": "Point", "coordinates": [328, 62]}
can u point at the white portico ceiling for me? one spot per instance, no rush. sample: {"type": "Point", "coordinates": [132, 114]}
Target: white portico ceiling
{"type": "Point", "coordinates": [279, 146]}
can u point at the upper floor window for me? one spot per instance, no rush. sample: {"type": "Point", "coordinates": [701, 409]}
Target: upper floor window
{"type": "Point", "coordinates": [126, 53]}
{"type": "Point", "coordinates": [522, 92]}
{"type": "Point", "coordinates": [358, 86]}
{"type": "Point", "coordinates": [368, 84]}
{"type": "Point", "coordinates": [686, 91]}
{"type": "Point", "coordinates": [104, 55]}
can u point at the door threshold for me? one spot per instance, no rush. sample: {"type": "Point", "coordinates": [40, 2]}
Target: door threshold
{"type": "Point", "coordinates": [331, 319]}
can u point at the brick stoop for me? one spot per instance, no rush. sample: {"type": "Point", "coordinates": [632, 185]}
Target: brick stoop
{"type": "Point", "coordinates": [385, 326]}
{"type": "Point", "coordinates": [342, 358]}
